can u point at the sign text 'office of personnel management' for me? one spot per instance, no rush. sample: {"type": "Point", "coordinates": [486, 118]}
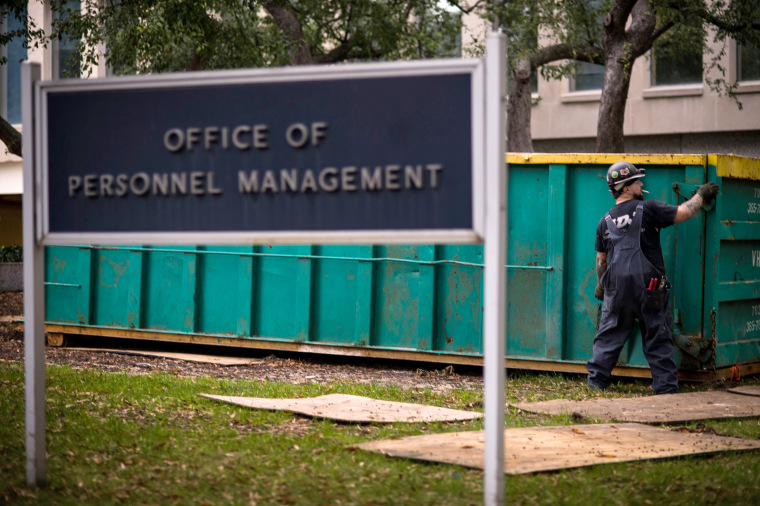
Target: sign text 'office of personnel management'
{"type": "Point", "coordinates": [315, 153]}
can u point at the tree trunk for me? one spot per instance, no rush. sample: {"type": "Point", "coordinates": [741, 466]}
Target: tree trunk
{"type": "Point", "coordinates": [196, 62]}
{"type": "Point", "coordinates": [609, 127]}
{"type": "Point", "coordinates": [10, 137]}
{"type": "Point", "coordinates": [518, 110]}
{"type": "Point", "coordinates": [621, 48]}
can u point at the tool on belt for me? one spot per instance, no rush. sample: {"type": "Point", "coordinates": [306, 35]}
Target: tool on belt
{"type": "Point", "coordinates": [654, 285]}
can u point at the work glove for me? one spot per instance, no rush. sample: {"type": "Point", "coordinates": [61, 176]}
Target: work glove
{"type": "Point", "coordinates": [708, 191]}
{"type": "Point", "coordinates": [599, 292]}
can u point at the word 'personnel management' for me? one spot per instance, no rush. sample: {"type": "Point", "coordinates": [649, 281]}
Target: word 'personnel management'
{"type": "Point", "coordinates": [329, 179]}
{"type": "Point", "coordinates": [349, 178]}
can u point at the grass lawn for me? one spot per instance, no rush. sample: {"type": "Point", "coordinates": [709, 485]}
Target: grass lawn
{"type": "Point", "coordinates": [149, 439]}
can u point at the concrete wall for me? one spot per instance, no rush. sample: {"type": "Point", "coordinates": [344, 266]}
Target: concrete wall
{"type": "Point", "coordinates": [740, 143]}
{"type": "Point", "coordinates": [11, 277]}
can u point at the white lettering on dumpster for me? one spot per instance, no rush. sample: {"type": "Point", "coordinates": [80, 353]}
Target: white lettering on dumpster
{"type": "Point", "coordinates": [754, 324]}
{"type": "Point", "coordinates": [756, 258]}
{"type": "Point", "coordinates": [754, 207]}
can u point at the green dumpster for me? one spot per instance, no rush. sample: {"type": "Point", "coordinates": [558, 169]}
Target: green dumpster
{"type": "Point", "coordinates": [424, 302]}
{"type": "Point", "coordinates": [731, 309]}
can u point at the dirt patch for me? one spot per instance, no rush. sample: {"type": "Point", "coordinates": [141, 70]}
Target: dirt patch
{"type": "Point", "coordinates": [11, 303]}
{"type": "Point", "coordinates": [280, 367]}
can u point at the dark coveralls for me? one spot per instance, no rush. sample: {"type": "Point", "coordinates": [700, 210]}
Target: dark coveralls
{"type": "Point", "coordinates": [626, 298]}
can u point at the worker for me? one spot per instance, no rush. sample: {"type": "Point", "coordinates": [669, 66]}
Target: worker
{"type": "Point", "coordinates": [631, 279]}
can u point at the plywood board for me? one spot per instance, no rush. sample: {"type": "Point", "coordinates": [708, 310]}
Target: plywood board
{"type": "Point", "coordinates": [535, 449]}
{"type": "Point", "coordinates": [654, 409]}
{"type": "Point", "coordinates": [352, 408]}
{"type": "Point", "coordinates": [746, 390]}
{"type": "Point", "coordinates": [187, 357]}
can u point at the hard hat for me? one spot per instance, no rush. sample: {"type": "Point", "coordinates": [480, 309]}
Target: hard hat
{"type": "Point", "coordinates": [621, 173]}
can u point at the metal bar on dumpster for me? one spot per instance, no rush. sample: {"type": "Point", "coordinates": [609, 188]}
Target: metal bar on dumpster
{"type": "Point", "coordinates": [315, 257]}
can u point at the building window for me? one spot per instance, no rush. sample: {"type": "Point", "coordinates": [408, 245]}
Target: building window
{"type": "Point", "coordinates": [588, 76]}
{"type": "Point", "coordinates": [10, 73]}
{"type": "Point", "coordinates": [677, 57]}
{"type": "Point", "coordinates": [748, 64]}
{"type": "Point", "coordinates": [65, 55]}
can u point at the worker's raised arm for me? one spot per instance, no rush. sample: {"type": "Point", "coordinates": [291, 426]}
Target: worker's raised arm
{"type": "Point", "coordinates": [689, 209]}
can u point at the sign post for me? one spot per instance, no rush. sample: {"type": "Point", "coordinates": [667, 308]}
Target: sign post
{"type": "Point", "coordinates": [34, 292]}
{"type": "Point", "coordinates": [494, 272]}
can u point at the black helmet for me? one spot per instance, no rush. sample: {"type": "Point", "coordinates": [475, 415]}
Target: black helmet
{"type": "Point", "coordinates": [621, 173]}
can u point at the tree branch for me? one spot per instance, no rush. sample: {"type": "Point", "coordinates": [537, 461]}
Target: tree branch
{"type": "Point", "coordinates": [465, 10]}
{"type": "Point", "coordinates": [721, 23]}
{"type": "Point", "coordinates": [556, 52]}
{"type": "Point", "coordinates": [343, 51]}
{"type": "Point", "coordinates": [661, 30]}
{"type": "Point", "coordinates": [639, 34]}
{"type": "Point", "coordinates": [337, 54]}
{"type": "Point", "coordinates": [619, 13]}
{"type": "Point", "coordinates": [287, 21]}
{"type": "Point", "coordinates": [10, 137]}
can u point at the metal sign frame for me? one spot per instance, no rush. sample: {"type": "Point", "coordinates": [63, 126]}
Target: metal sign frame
{"type": "Point", "coordinates": [472, 68]}
{"type": "Point", "coordinates": [489, 186]}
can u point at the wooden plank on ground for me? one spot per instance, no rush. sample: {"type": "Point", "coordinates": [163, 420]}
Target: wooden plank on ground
{"type": "Point", "coordinates": [536, 449]}
{"type": "Point", "coordinates": [669, 408]}
{"type": "Point", "coordinates": [186, 357]}
{"type": "Point", "coordinates": [746, 390]}
{"type": "Point", "coordinates": [352, 408]}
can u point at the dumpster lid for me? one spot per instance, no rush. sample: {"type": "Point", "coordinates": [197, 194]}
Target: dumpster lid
{"type": "Point", "coordinates": [605, 158]}
{"type": "Point", "coordinates": [735, 166]}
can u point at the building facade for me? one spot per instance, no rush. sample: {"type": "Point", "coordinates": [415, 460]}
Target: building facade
{"type": "Point", "coordinates": [670, 107]}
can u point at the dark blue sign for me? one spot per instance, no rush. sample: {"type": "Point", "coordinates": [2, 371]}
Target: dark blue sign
{"type": "Point", "coordinates": [381, 153]}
